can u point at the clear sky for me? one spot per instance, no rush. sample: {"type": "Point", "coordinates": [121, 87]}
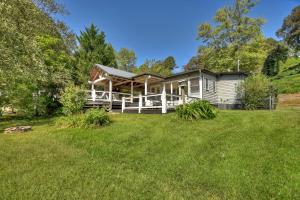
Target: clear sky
{"type": "Point", "coordinates": [155, 29]}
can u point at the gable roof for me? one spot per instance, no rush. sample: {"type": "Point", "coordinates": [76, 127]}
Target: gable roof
{"type": "Point", "coordinates": [115, 72]}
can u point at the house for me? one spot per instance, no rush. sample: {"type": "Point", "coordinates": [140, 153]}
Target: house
{"type": "Point", "coordinates": [116, 88]}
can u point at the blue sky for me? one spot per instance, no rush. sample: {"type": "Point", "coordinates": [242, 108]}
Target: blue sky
{"type": "Point", "coordinates": [155, 29]}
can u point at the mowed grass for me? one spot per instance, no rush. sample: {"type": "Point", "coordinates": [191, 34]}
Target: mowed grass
{"type": "Point", "coordinates": [239, 155]}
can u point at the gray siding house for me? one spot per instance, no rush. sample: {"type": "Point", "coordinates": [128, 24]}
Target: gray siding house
{"type": "Point", "coordinates": [150, 91]}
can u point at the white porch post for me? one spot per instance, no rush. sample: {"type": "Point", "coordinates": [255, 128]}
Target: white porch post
{"type": "Point", "coordinates": [171, 85]}
{"type": "Point", "coordinates": [146, 88]}
{"type": "Point", "coordinates": [164, 100]}
{"type": "Point", "coordinates": [110, 90]}
{"type": "Point", "coordinates": [110, 94]}
{"type": "Point", "coordinates": [131, 92]}
{"type": "Point", "coordinates": [123, 104]}
{"type": "Point", "coordinates": [93, 92]}
{"type": "Point", "coordinates": [201, 86]}
{"type": "Point", "coordinates": [189, 87]}
{"type": "Point", "coordinates": [140, 103]}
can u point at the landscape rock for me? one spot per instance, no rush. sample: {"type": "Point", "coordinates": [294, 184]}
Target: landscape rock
{"type": "Point", "coordinates": [18, 129]}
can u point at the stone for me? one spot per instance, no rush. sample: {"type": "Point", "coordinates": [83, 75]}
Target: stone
{"type": "Point", "coordinates": [18, 129]}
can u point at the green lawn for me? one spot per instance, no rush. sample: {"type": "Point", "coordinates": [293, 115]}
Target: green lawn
{"type": "Point", "coordinates": [239, 155]}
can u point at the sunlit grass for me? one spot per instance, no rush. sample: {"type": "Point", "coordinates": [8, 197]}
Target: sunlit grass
{"type": "Point", "coordinates": [238, 155]}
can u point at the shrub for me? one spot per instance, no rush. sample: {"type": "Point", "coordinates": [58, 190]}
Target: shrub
{"type": "Point", "coordinates": [255, 91]}
{"type": "Point", "coordinates": [92, 118]}
{"type": "Point", "coordinates": [72, 99]}
{"type": "Point", "coordinates": [96, 117]}
{"type": "Point", "coordinates": [196, 110]}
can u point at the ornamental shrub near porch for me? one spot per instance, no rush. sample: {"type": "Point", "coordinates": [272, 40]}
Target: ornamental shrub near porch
{"type": "Point", "coordinates": [196, 110]}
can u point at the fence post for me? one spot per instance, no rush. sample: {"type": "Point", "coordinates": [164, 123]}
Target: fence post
{"type": "Point", "coordinates": [123, 104]}
{"type": "Point", "coordinates": [140, 103]}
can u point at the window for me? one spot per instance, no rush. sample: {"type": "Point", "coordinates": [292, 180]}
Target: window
{"type": "Point", "coordinates": [194, 85]}
{"type": "Point", "coordinates": [214, 85]}
{"type": "Point", "coordinates": [206, 84]}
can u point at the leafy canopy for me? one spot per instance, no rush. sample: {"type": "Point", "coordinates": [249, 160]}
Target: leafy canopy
{"type": "Point", "coordinates": [290, 29]}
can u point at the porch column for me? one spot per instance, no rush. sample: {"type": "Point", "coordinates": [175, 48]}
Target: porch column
{"type": "Point", "coordinates": [201, 86]}
{"type": "Point", "coordinates": [171, 88]}
{"type": "Point", "coordinates": [131, 92]}
{"type": "Point", "coordinates": [93, 92]}
{"type": "Point", "coordinates": [189, 87]}
{"type": "Point", "coordinates": [164, 100]}
{"type": "Point", "coordinates": [110, 94]}
{"type": "Point", "coordinates": [146, 88]}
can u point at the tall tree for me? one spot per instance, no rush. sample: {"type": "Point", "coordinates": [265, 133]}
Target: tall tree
{"type": "Point", "coordinates": [93, 50]}
{"type": "Point", "coordinates": [290, 29]}
{"type": "Point", "coordinates": [194, 63]}
{"type": "Point", "coordinates": [235, 40]}
{"type": "Point", "coordinates": [23, 67]}
{"type": "Point", "coordinates": [278, 53]}
{"type": "Point", "coordinates": [126, 59]}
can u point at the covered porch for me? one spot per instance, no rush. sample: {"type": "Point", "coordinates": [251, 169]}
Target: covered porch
{"type": "Point", "coordinates": [113, 87]}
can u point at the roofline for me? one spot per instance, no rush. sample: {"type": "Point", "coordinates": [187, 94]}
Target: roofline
{"type": "Point", "coordinates": [149, 74]}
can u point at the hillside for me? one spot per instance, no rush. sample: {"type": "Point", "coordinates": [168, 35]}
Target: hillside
{"type": "Point", "coordinates": [288, 80]}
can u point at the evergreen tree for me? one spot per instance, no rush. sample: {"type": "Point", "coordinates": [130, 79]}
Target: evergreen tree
{"type": "Point", "coordinates": [93, 50]}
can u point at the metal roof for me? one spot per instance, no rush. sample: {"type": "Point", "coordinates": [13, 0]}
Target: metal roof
{"type": "Point", "coordinates": [116, 72]}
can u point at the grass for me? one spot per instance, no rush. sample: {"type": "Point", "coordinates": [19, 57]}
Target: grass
{"type": "Point", "coordinates": [238, 155]}
{"type": "Point", "coordinates": [288, 80]}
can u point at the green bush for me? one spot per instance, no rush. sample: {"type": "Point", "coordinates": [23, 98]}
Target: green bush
{"type": "Point", "coordinates": [255, 90]}
{"type": "Point", "coordinates": [196, 110]}
{"type": "Point", "coordinates": [73, 100]}
{"type": "Point", "coordinates": [96, 117]}
{"type": "Point", "coordinates": [92, 118]}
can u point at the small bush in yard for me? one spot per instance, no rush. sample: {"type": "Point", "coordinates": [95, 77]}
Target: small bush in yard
{"type": "Point", "coordinates": [96, 117]}
{"type": "Point", "coordinates": [73, 100]}
{"type": "Point", "coordinates": [196, 110]}
{"type": "Point", "coordinates": [92, 118]}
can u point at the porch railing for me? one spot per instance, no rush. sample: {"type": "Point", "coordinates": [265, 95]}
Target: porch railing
{"type": "Point", "coordinates": [104, 96]}
{"type": "Point", "coordinates": [152, 101]}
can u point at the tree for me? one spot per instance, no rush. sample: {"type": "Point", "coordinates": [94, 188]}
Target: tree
{"type": "Point", "coordinates": [160, 67]}
{"type": "Point", "coordinates": [126, 59]}
{"type": "Point", "coordinates": [277, 54]}
{"type": "Point", "coordinates": [236, 38]}
{"type": "Point", "coordinates": [290, 29]}
{"type": "Point", "coordinates": [255, 91]}
{"type": "Point", "coordinates": [93, 50]}
{"type": "Point", "coordinates": [23, 67]}
{"type": "Point", "coordinates": [194, 63]}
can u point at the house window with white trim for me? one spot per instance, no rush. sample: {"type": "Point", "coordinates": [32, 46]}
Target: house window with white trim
{"type": "Point", "coordinates": [206, 84]}
{"type": "Point", "coordinates": [194, 85]}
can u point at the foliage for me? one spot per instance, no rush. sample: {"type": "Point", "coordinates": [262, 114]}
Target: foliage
{"type": "Point", "coordinates": [290, 29]}
{"type": "Point", "coordinates": [72, 99]}
{"type": "Point", "coordinates": [194, 63]}
{"type": "Point", "coordinates": [196, 110]}
{"type": "Point", "coordinates": [92, 118]}
{"type": "Point", "coordinates": [92, 49]}
{"type": "Point", "coordinates": [288, 79]}
{"type": "Point", "coordinates": [96, 117]}
{"type": "Point", "coordinates": [33, 54]}
{"type": "Point", "coordinates": [126, 59]}
{"type": "Point", "coordinates": [255, 91]}
{"type": "Point", "coordinates": [236, 37]}
{"type": "Point", "coordinates": [278, 54]}
{"type": "Point", "coordinates": [160, 67]}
